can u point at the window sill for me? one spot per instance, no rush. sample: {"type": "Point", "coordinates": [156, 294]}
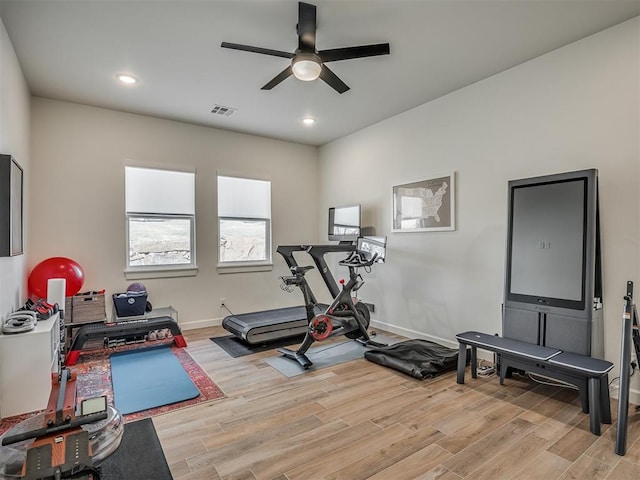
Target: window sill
{"type": "Point", "coordinates": [160, 272]}
{"type": "Point", "coordinates": [239, 268]}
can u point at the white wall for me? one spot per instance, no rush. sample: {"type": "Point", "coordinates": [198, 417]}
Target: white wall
{"type": "Point", "coordinates": [574, 108]}
{"type": "Point", "coordinates": [14, 140]}
{"type": "Point", "coordinates": [78, 158]}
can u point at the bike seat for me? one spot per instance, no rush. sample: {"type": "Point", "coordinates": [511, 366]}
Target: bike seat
{"type": "Point", "coordinates": [297, 270]}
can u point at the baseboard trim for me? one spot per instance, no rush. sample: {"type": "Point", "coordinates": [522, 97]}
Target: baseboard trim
{"type": "Point", "coordinates": [196, 324]}
{"type": "Point", "coordinates": [406, 332]}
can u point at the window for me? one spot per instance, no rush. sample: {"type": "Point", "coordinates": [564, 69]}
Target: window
{"type": "Point", "coordinates": [244, 221]}
{"type": "Point", "coordinates": [160, 207]}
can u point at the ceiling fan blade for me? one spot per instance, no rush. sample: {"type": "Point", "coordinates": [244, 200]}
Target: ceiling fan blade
{"type": "Point", "coordinates": [332, 80]}
{"type": "Point", "coordinates": [306, 27]}
{"type": "Point", "coordinates": [347, 53]}
{"type": "Point", "coordinates": [264, 51]}
{"type": "Point", "coordinates": [287, 72]}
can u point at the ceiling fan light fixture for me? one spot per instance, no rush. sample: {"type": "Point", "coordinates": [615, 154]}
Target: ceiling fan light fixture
{"type": "Point", "coordinates": [306, 66]}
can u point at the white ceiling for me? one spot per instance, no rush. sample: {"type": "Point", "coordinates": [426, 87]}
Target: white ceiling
{"type": "Point", "coordinates": [72, 49]}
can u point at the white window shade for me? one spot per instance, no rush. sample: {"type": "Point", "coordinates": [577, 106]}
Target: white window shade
{"type": "Point", "coordinates": [244, 198]}
{"type": "Point", "coordinates": [159, 191]}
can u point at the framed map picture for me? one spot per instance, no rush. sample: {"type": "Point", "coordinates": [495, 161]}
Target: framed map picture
{"type": "Point", "coordinates": [425, 205]}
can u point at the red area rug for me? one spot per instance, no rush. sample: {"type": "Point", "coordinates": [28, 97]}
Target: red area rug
{"type": "Point", "coordinates": [94, 379]}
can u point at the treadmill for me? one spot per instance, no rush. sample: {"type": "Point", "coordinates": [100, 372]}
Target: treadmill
{"type": "Point", "coordinates": [271, 325]}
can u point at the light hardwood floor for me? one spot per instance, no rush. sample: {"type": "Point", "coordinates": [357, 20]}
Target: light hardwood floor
{"type": "Point", "coordinates": [362, 421]}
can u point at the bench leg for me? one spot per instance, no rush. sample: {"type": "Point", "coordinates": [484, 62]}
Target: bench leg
{"type": "Point", "coordinates": [605, 401]}
{"type": "Point", "coordinates": [583, 388]}
{"type": "Point", "coordinates": [474, 362]}
{"type": "Point", "coordinates": [594, 405]}
{"type": "Point", "coordinates": [504, 367]}
{"type": "Point", "coordinates": [462, 362]}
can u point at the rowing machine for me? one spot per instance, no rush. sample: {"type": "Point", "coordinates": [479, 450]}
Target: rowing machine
{"type": "Point", "coordinates": [61, 448]}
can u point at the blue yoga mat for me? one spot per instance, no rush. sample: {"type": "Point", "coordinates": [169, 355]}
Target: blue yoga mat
{"type": "Point", "coordinates": [148, 378]}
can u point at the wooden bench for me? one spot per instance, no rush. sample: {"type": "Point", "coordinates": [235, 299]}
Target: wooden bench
{"type": "Point", "coordinates": [589, 374]}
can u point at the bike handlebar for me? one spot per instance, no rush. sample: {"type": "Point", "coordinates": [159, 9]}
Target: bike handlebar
{"type": "Point", "coordinates": [355, 259]}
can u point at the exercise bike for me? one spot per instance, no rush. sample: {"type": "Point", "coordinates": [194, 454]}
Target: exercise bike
{"type": "Point", "coordinates": [345, 316]}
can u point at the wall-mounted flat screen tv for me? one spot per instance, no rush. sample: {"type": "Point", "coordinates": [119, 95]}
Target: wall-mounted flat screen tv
{"type": "Point", "coordinates": [11, 215]}
{"type": "Point", "coordinates": [344, 223]}
{"type": "Point", "coordinates": [551, 240]}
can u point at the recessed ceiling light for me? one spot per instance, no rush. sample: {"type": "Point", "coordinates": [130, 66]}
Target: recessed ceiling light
{"type": "Point", "coordinates": [308, 121]}
{"type": "Point", "coordinates": [128, 79]}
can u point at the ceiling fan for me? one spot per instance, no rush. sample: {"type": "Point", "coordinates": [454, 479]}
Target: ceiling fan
{"type": "Point", "coordinates": [307, 63]}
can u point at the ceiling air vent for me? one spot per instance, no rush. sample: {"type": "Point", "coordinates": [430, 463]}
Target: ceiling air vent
{"type": "Point", "coordinates": [222, 110]}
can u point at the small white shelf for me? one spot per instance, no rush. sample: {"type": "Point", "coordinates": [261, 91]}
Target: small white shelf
{"type": "Point", "coordinates": [27, 361]}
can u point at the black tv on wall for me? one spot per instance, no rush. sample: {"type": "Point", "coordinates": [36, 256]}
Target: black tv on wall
{"type": "Point", "coordinates": [11, 214]}
{"type": "Point", "coordinates": [547, 247]}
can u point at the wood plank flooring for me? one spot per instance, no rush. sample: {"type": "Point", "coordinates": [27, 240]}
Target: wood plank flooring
{"type": "Point", "coordinates": [358, 420]}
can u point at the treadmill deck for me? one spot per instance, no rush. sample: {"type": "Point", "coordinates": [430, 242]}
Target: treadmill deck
{"type": "Point", "coordinates": [268, 325]}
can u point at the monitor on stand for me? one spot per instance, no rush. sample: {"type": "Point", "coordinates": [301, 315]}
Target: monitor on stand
{"type": "Point", "coordinates": [345, 223]}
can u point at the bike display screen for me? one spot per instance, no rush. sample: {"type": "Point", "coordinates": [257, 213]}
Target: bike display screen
{"type": "Point", "coordinates": [370, 246]}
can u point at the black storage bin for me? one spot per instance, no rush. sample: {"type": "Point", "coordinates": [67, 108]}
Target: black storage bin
{"type": "Point", "coordinates": [129, 304]}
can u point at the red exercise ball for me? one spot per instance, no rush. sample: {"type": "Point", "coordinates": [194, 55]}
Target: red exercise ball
{"type": "Point", "coordinates": [56, 267]}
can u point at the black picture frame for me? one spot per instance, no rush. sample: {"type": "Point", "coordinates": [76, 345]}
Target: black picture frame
{"type": "Point", "coordinates": [11, 207]}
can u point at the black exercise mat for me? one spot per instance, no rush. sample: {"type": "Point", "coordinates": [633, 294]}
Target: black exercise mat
{"type": "Point", "coordinates": [139, 455]}
{"type": "Point", "coordinates": [236, 347]}
{"type": "Point", "coordinates": [420, 359]}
